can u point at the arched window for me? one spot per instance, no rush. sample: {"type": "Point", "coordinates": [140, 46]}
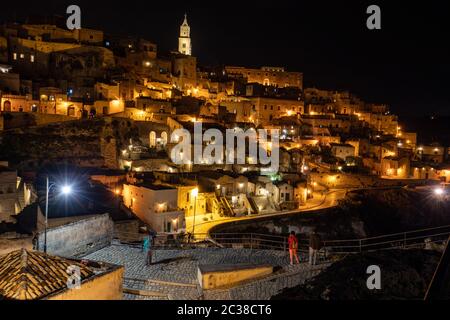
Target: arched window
{"type": "Point", "coordinates": [7, 106]}
{"type": "Point", "coordinates": [152, 139]}
{"type": "Point", "coordinates": [163, 138]}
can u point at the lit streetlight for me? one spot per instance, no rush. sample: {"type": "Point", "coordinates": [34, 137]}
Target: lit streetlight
{"type": "Point", "coordinates": [194, 193]}
{"type": "Point", "coordinates": [66, 190]}
{"type": "Point", "coordinates": [439, 191]}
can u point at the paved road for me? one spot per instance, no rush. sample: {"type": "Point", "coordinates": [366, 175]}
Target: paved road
{"type": "Point", "coordinates": [319, 202]}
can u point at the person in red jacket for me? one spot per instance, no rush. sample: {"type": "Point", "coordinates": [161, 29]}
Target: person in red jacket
{"type": "Point", "coordinates": [293, 247]}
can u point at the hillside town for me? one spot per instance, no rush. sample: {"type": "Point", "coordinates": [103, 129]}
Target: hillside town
{"type": "Point", "coordinates": [97, 114]}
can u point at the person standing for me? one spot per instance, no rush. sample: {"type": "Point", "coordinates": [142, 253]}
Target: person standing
{"type": "Point", "coordinates": [315, 244]}
{"type": "Point", "coordinates": [293, 247]}
{"type": "Point", "coordinates": [147, 248]}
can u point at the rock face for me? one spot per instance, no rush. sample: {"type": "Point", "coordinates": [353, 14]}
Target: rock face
{"type": "Point", "coordinates": [405, 274]}
{"type": "Point", "coordinates": [87, 143]}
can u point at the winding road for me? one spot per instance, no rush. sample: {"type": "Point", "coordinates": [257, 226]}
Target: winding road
{"type": "Point", "coordinates": [319, 202]}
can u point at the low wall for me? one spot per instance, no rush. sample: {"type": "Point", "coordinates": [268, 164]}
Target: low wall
{"type": "Point", "coordinates": [14, 120]}
{"type": "Point", "coordinates": [106, 286]}
{"type": "Point", "coordinates": [217, 276]}
{"type": "Point", "coordinates": [79, 237]}
{"type": "Point", "coordinates": [346, 180]}
{"type": "Point", "coordinates": [127, 226]}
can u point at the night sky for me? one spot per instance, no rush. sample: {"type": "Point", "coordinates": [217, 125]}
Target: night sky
{"type": "Point", "coordinates": [406, 64]}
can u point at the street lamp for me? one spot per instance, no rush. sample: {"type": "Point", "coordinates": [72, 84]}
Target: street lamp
{"type": "Point", "coordinates": [66, 189]}
{"type": "Point", "coordinates": [194, 193]}
{"type": "Point", "coordinates": [439, 191]}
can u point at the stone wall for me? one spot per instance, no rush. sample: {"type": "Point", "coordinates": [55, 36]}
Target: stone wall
{"type": "Point", "coordinates": [77, 141]}
{"type": "Point", "coordinates": [24, 119]}
{"type": "Point", "coordinates": [78, 237]}
{"type": "Point", "coordinates": [14, 242]}
{"type": "Point", "coordinates": [345, 180]}
{"type": "Point", "coordinates": [108, 150]}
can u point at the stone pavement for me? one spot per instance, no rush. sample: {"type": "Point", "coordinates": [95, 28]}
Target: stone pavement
{"type": "Point", "coordinates": [174, 273]}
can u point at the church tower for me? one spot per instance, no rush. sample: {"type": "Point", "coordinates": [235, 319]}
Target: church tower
{"type": "Point", "coordinates": [184, 41]}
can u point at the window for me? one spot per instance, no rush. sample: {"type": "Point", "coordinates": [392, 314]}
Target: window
{"type": "Point", "coordinates": [22, 56]}
{"type": "Point", "coordinates": [14, 56]}
{"type": "Point", "coordinates": [184, 45]}
{"type": "Point", "coordinates": [32, 58]}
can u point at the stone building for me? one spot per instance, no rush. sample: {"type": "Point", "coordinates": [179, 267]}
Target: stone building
{"type": "Point", "coordinates": [440, 172]}
{"type": "Point", "coordinates": [18, 103]}
{"type": "Point", "coordinates": [335, 123]}
{"type": "Point", "coordinates": [9, 199]}
{"type": "Point", "coordinates": [241, 107]}
{"type": "Point", "coordinates": [431, 153]}
{"type": "Point", "coordinates": [49, 32]}
{"type": "Point", "coordinates": [267, 109]}
{"type": "Point", "coordinates": [395, 167]}
{"type": "Point", "coordinates": [184, 70]}
{"type": "Point", "coordinates": [385, 123]}
{"type": "Point", "coordinates": [156, 205]}
{"type": "Point", "coordinates": [268, 76]}
{"type": "Point", "coordinates": [342, 150]}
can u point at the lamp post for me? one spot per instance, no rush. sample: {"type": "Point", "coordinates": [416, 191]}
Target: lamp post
{"type": "Point", "coordinates": [194, 193]}
{"type": "Point", "coordinates": [66, 189]}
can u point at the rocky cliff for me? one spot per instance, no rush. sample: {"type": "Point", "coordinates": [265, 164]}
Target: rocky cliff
{"type": "Point", "coordinates": [405, 274]}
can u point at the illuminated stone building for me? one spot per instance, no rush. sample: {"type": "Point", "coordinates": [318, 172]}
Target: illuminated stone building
{"type": "Point", "coordinates": [268, 109]}
{"type": "Point", "coordinates": [395, 167]}
{"type": "Point", "coordinates": [268, 76]}
{"type": "Point", "coordinates": [184, 70]}
{"type": "Point", "coordinates": [433, 153]}
{"type": "Point", "coordinates": [156, 205]}
{"type": "Point", "coordinates": [342, 150]}
{"type": "Point", "coordinates": [18, 103]}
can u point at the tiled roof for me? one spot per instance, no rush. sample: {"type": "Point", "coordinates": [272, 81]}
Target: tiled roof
{"type": "Point", "coordinates": [29, 275]}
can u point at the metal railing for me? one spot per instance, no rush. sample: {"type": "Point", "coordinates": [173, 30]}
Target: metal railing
{"type": "Point", "coordinates": [409, 239]}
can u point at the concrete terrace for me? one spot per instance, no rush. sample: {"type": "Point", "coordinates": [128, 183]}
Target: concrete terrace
{"type": "Point", "coordinates": [174, 273]}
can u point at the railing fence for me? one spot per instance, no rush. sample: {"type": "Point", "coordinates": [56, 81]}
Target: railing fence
{"type": "Point", "coordinates": [409, 239]}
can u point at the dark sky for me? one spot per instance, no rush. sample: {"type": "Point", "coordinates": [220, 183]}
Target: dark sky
{"type": "Point", "coordinates": [406, 64]}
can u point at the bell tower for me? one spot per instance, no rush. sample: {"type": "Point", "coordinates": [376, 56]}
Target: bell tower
{"type": "Point", "coordinates": [184, 41]}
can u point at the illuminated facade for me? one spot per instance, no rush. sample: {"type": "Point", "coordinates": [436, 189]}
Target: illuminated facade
{"type": "Point", "coordinates": [268, 76]}
{"type": "Point", "coordinates": [184, 41]}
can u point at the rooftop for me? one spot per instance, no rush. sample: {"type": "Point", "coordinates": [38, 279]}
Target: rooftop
{"type": "Point", "coordinates": [155, 187]}
{"type": "Point", "coordinates": [30, 275]}
{"type": "Point", "coordinates": [341, 145]}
